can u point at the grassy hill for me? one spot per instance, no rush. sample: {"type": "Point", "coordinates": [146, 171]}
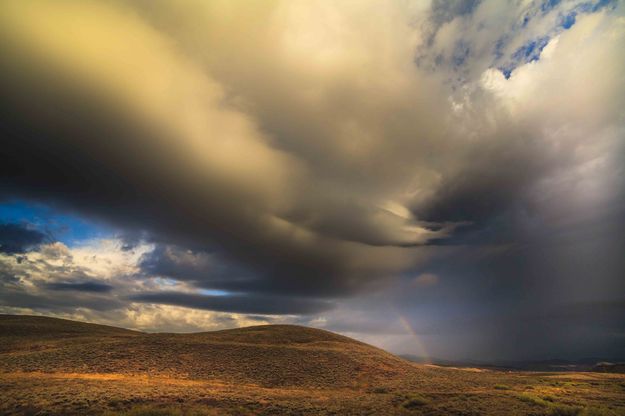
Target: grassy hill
{"type": "Point", "coordinates": [54, 366]}
{"type": "Point", "coordinates": [273, 355]}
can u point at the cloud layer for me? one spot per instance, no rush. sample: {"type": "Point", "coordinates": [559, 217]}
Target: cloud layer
{"type": "Point", "coordinates": [292, 154]}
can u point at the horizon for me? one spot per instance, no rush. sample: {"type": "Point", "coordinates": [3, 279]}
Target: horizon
{"type": "Point", "coordinates": [466, 361]}
{"type": "Point", "coordinates": [435, 178]}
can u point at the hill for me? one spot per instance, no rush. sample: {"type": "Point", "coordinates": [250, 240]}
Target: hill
{"type": "Point", "coordinates": [269, 356]}
{"type": "Point", "coordinates": [34, 328]}
{"type": "Point", "coordinates": [54, 366]}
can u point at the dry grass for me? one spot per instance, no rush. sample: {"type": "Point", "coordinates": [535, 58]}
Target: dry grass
{"type": "Point", "coordinates": [268, 370]}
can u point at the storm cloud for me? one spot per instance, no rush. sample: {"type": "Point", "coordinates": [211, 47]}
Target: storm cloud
{"type": "Point", "coordinates": [295, 154]}
{"type": "Point", "coordinates": [265, 305]}
{"type": "Point", "coordinates": [95, 287]}
{"type": "Point", "coordinates": [17, 238]}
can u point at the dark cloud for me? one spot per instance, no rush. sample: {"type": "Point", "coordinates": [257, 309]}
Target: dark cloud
{"type": "Point", "coordinates": [204, 269]}
{"type": "Point", "coordinates": [522, 292]}
{"type": "Point", "coordinates": [95, 287]}
{"type": "Point", "coordinates": [215, 270]}
{"type": "Point", "coordinates": [56, 302]}
{"type": "Point", "coordinates": [18, 238]}
{"type": "Point", "coordinates": [244, 303]}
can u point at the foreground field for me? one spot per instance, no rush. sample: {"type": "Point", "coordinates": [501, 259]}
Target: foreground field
{"type": "Point", "coordinates": [56, 367]}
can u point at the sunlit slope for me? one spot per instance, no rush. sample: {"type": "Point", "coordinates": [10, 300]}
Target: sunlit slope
{"type": "Point", "coordinates": [272, 355]}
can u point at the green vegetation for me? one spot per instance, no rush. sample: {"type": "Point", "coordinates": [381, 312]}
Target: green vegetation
{"type": "Point", "coordinates": [415, 400]}
{"type": "Point", "coordinates": [561, 409]}
{"type": "Point", "coordinates": [532, 398]}
{"type": "Point", "coordinates": [501, 387]}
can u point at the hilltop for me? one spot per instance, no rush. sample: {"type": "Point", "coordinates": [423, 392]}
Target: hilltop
{"type": "Point", "coordinates": [55, 366]}
{"type": "Point", "coordinates": [269, 356]}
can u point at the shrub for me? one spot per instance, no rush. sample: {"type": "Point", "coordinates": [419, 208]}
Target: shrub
{"type": "Point", "coordinates": [152, 410]}
{"type": "Point", "coordinates": [415, 400]}
{"type": "Point", "coordinates": [501, 387]}
{"type": "Point", "coordinates": [598, 411]}
{"type": "Point", "coordinates": [380, 390]}
{"type": "Point", "coordinates": [556, 409]}
{"type": "Point", "coordinates": [530, 398]}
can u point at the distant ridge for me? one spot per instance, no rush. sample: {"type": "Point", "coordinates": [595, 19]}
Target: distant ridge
{"type": "Point", "coordinates": [591, 364]}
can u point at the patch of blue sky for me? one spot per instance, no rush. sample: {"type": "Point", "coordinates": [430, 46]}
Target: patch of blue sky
{"type": "Point", "coordinates": [567, 20]}
{"type": "Point", "coordinates": [548, 5]}
{"type": "Point", "coordinates": [532, 50]}
{"type": "Point", "coordinates": [213, 292]}
{"type": "Point", "coordinates": [529, 52]}
{"type": "Point", "coordinates": [69, 229]}
{"type": "Point", "coordinates": [593, 7]}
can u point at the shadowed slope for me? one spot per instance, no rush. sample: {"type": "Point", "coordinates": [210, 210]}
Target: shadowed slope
{"type": "Point", "coordinates": [44, 327]}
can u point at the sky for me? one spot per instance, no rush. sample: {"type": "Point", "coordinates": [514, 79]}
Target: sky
{"type": "Point", "coordinates": [437, 178]}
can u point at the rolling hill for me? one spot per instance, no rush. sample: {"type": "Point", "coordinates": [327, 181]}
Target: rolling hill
{"type": "Point", "coordinates": [54, 366]}
{"type": "Point", "coordinates": [269, 356]}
